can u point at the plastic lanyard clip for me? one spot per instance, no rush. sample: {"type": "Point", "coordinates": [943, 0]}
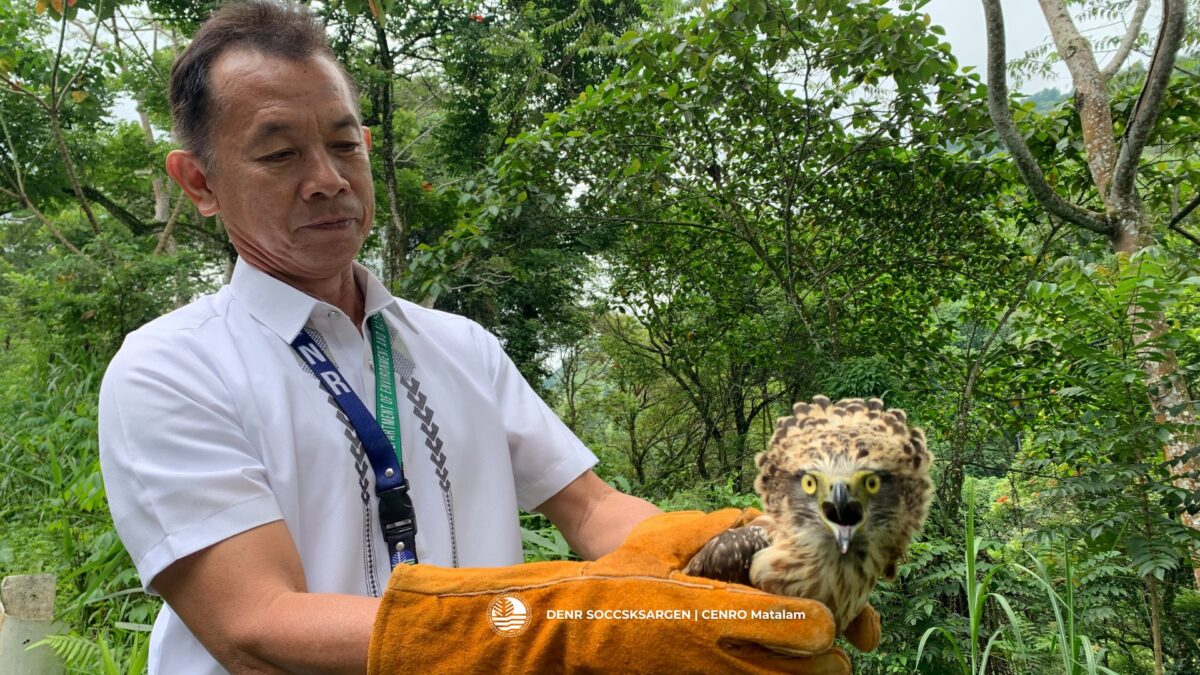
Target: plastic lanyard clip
{"type": "Point", "coordinates": [399, 521]}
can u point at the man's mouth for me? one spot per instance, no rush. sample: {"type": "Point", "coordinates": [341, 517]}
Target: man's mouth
{"type": "Point", "coordinates": [331, 224]}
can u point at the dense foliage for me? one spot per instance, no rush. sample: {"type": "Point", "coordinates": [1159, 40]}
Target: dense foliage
{"type": "Point", "coordinates": [679, 218]}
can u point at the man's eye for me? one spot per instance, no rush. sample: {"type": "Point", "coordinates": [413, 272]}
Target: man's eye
{"type": "Point", "coordinates": [348, 146]}
{"type": "Point", "coordinates": [276, 156]}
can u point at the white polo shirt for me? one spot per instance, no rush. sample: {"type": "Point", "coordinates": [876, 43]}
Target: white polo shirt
{"type": "Point", "coordinates": [211, 425]}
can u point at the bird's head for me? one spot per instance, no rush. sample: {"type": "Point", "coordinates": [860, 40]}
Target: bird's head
{"type": "Point", "coordinates": [841, 500]}
{"type": "Point", "coordinates": [851, 475]}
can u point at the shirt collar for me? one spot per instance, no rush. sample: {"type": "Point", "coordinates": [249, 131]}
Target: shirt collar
{"type": "Point", "coordinates": [284, 309]}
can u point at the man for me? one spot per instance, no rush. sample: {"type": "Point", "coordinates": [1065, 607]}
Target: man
{"type": "Point", "coordinates": [236, 479]}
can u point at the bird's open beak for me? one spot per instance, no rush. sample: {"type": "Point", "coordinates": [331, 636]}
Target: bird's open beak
{"type": "Point", "coordinates": [847, 515]}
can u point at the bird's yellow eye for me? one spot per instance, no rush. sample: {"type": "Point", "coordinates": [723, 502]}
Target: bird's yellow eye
{"type": "Point", "coordinates": [871, 484]}
{"type": "Point", "coordinates": [809, 484]}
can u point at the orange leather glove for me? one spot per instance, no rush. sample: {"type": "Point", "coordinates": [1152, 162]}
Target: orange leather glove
{"type": "Point", "coordinates": [598, 616]}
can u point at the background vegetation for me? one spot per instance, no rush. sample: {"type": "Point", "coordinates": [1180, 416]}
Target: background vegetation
{"type": "Point", "coordinates": [680, 218]}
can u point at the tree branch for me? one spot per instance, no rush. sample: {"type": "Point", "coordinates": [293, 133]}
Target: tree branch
{"type": "Point", "coordinates": [147, 53]}
{"type": "Point", "coordinates": [116, 210]}
{"type": "Point", "coordinates": [1184, 212]}
{"type": "Point", "coordinates": [16, 88]}
{"type": "Point", "coordinates": [1126, 46]}
{"type": "Point", "coordinates": [1174, 223]}
{"type": "Point", "coordinates": [1031, 173]}
{"type": "Point", "coordinates": [1186, 235]}
{"type": "Point", "coordinates": [23, 197]}
{"type": "Point", "coordinates": [165, 235]}
{"type": "Point", "coordinates": [49, 224]}
{"type": "Point", "coordinates": [69, 166]}
{"type": "Point", "coordinates": [83, 62]}
{"type": "Point", "coordinates": [1145, 111]}
{"type": "Point", "coordinates": [41, 217]}
{"type": "Point", "coordinates": [215, 239]}
{"type": "Point", "coordinates": [1091, 95]}
{"type": "Point", "coordinates": [62, 35]}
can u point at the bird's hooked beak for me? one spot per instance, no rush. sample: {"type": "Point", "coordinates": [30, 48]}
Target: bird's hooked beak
{"type": "Point", "coordinates": [843, 513]}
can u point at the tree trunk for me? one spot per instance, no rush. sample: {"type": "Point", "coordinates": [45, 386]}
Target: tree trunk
{"type": "Point", "coordinates": [395, 231]}
{"type": "Point", "coordinates": [635, 451]}
{"type": "Point", "coordinates": [162, 201]}
{"type": "Point", "coordinates": [1166, 390]}
{"type": "Point", "coordinates": [1091, 93]}
{"type": "Point", "coordinates": [710, 434]}
{"type": "Point", "coordinates": [569, 369]}
{"type": "Point", "coordinates": [1152, 588]}
{"type": "Point", "coordinates": [1124, 220]}
{"type": "Point", "coordinates": [1155, 623]}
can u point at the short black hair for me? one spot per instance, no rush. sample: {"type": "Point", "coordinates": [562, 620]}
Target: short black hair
{"type": "Point", "coordinates": [284, 29]}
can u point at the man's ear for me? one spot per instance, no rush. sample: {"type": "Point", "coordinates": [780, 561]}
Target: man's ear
{"type": "Point", "coordinates": [188, 171]}
{"type": "Point", "coordinates": [367, 137]}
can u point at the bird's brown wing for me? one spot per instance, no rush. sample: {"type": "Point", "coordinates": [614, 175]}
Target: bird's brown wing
{"type": "Point", "coordinates": [727, 556]}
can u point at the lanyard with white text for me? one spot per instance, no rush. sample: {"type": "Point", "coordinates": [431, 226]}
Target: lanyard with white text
{"type": "Point", "coordinates": [396, 513]}
{"type": "Point", "coordinates": [386, 409]}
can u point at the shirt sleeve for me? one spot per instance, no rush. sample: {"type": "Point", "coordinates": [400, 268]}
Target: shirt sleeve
{"type": "Point", "coordinates": [178, 469]}
{"type": "Point", "coordinates": [546, 455]}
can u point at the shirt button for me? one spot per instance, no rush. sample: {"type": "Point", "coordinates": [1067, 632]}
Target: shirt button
{"type": "Point", "coordinates": [334, 315]}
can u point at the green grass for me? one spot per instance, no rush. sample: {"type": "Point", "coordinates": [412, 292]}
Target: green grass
{"type": "Point", "coordinates": [969, 659]}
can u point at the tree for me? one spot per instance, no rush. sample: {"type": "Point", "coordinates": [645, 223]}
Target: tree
{"type": "Point", "coordinates": [764, 193]}
{"type": "Point", "coordinates": [445, 84]}
{"type": "Point", "coordinates": [1114, 162]}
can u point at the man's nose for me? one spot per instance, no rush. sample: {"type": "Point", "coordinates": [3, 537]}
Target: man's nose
{"type": "Point", "coordinates": [322, 177]}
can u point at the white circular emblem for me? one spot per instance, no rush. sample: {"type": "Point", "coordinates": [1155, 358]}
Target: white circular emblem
{"type": "Point", "coordinates": [508, 615]}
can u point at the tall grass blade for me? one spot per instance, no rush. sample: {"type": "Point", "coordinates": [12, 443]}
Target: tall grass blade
{"type": "Point", "coordinates": [988, 650]}
{"type": "Point", "coordinates": [949, 638]}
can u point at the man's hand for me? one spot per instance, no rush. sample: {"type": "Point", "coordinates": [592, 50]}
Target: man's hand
{"type": "Point", "coordinates": [444, 619]}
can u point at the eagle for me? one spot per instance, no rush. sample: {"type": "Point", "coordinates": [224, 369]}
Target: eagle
{"type": "Point", "coordinates": [844, 487]}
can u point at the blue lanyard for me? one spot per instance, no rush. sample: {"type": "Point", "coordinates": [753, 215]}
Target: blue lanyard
{"type": "Point", "coordinates": [396, 514]}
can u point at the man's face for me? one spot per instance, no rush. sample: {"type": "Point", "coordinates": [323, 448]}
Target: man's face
{"type": "Point", "coordinates": [290, 176]}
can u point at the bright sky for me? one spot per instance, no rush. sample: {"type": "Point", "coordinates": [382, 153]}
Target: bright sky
{"type": "Point", "coordinates": [1024, 28]}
